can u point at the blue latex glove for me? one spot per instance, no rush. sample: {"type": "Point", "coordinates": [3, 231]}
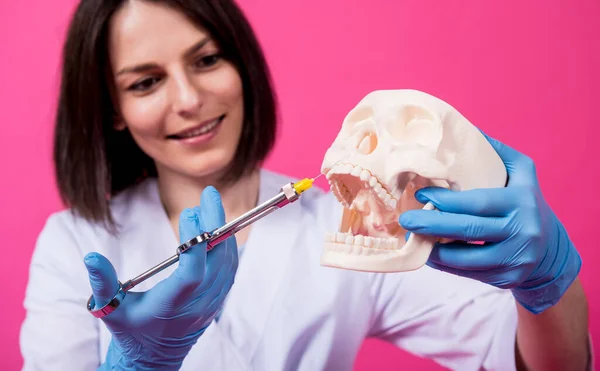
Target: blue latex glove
{"type": "Point", "coordinates": [156, 329]}
{"type": "Point", "coordinates": [527, 248]}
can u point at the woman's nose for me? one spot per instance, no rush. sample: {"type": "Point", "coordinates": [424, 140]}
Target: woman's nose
{"type": "Point", "coordinates": [187, 97]}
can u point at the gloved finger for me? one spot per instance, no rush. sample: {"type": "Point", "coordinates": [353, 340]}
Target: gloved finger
{"type": "Point", "coordinates": [224, 278]}
{"type": "Point", "coordinates": [196, 270]}
{"type": "Point", "coordinates": [180, 286]}
{"type": "Point", "coordinates": [189, 225]}
{"type": "Point", "coordinates": [233, 250]}
{"type": "Point", "coordinates": [520, 168]}
{"type": "Point", "coordinates": [214, 292]}
{"type": "Point", "coordinates": [192, 263]}
{"type": "Point", "coordinates": [479, 202]}
{"type": "Point", "coordinates": [212, 216]}
{"type": "Point", "coordinates": [502, 278]}
{"type": "Point", "coordinates": [211, 209]}
{"type": "Point", "coordinates": [466, 256]}
{"type": "Point", "coordinates": [220, 270]}
{"type": "Point", "coordinates": [103, 278]}
{"type": "Point", "coordinates": [455, 226]}
{"type": "Point", "coordinates": [218, 300]}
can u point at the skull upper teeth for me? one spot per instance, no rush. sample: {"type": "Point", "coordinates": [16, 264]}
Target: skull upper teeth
{"type": "Point", "coordinates": [370, 181]}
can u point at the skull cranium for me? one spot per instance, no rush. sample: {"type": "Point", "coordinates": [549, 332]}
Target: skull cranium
{"type": "Point", "coordinates": [392, 143]}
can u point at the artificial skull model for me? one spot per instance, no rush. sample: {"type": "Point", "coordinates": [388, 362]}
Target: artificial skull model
{"type": "Point", "coordinates": [392, 143]}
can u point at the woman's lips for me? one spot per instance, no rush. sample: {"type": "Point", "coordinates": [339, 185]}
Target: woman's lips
{"type": "Point", "coordinates": [201, 133]}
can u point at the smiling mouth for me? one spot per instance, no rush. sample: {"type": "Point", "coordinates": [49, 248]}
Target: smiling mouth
{"type": "Point", "coordinates": [199, 130]}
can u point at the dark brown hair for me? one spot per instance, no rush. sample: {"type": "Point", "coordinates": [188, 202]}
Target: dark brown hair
{"type": "Point", "coordinates": [93, 161]}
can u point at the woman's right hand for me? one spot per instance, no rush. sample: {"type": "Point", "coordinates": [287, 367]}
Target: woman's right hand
{"type": "Point", "coordinates": [157, 328]}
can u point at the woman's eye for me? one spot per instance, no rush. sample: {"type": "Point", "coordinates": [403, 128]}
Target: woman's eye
{"type": "Point", "coordinates": [144, 84]}
{"type": "Point", "coordinates": [207, 61]}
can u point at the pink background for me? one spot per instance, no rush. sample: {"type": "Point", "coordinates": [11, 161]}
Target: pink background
{"type": "Point", "coordinates": [527, 72]}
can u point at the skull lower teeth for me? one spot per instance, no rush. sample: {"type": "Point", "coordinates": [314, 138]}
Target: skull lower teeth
{"type": "Point", "coordinates": [359, 243]}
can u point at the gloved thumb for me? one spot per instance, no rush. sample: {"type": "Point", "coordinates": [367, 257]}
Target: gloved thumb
{"type": "Point", "coordinates": [103, 278]}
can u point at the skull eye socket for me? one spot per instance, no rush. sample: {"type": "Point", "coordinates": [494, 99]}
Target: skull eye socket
{"type": "Point", "coordinates": [363, 133]}
{"type": "Point", "coordinates": [357, 115]}
{"type": "Point", "coordinates": [412, 124]}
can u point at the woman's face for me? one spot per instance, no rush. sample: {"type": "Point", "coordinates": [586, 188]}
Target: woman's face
{"type": "Point", "coordinates": [182, 102]}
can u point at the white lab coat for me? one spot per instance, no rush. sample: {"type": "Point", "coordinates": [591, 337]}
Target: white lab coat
{"type": "Point", "coordinates": [284, 312]}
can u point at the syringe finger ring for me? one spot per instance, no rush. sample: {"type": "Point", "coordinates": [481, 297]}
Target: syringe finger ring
{"type": "Point", "coordinates": [206, 236]}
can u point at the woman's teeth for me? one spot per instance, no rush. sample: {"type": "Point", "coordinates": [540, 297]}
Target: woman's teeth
{"type": "Point", "coordinates": [202, 130]}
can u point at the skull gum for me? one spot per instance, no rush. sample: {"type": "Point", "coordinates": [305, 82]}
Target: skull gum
{"type": "Point", "coordinates": [392, 143]}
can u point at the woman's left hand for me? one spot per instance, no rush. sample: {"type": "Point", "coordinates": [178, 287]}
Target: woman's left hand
{"type": "Point", "coordinates": [526, 249]}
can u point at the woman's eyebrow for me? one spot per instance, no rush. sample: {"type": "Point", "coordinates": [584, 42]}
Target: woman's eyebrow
{"type": "Point", "coordinates": [137, 69]}
{"type": "Point", "coordinates": [148, 66]}
{"type": "Point", "coordinates": [197, 46]}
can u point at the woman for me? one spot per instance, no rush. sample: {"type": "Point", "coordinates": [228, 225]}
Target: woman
{"type": "Point", "coordinates": [163, 104]}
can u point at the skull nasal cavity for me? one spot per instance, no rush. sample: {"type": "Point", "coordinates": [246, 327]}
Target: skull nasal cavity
{"type": "Point", "coordinates": [367, 143]}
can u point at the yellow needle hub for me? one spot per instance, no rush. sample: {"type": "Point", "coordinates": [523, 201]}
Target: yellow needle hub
{"type": "Point", "coordinates": [303, 185]}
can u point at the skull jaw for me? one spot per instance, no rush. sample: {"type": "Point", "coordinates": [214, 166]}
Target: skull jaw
{"type": "Point", "coordinates": [412, 255]}
{"type": "Point", "coordinates": [369, 237]}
